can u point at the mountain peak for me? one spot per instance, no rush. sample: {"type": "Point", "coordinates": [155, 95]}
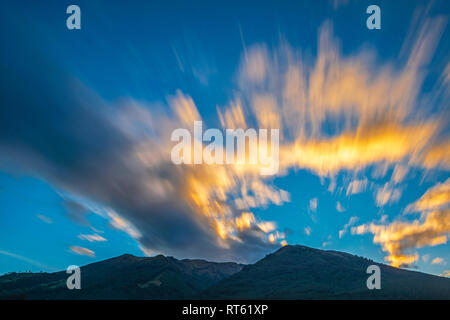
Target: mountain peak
{"type": "Point", "coordinates": [126, 256]}
{"type": "Point", "coordinates": [300, 272]}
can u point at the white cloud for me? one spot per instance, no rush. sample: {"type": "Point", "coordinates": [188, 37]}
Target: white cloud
{"type": "Point", "coordinates": [339, 207]}
{"type": "Point", "coordinates": [28, 260]}
{"type": "Point", "coordinates": [92, 237]}
{"type": "Point", "coordinates": [350, 222]}
{"type": "Point", "coordinates": [44, 218]}
{"type": "Point", "coordinates": [308, 231]}
{"type": "Point", "coordinates": [313, 204]}
{"type": "Point", "coordinates": [82, 251]}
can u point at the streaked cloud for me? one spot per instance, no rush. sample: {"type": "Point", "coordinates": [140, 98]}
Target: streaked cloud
{"type": "Point", "coordinates": [313, 204]}
{"type": "Point", "coordinates": [387, 194]}
{"type": "Point", "coordinates": [437, 156]}
{"type": "Point", "coordinates": [120, 223]}
{"type": "Point", "coordinates": [92, 237]}
{"type": "Point", "coordinates": [437, 260]}
{"type": "Point", "coordinates": [44, 218]}
{"type": "Point", "coordinates": [357, 186]}
{"type": "Point", "coordinates": [28, 260]}
{"type": "Point", "coordinates": [307, 231]}
{"type": "Point", "coordinates": [399, 173]}
{"type": "Point", "coordinates": [326, 244]}
{"type": "Point", "coordinates": [339, 207]}
{"type": "Point", "coordinates": [339, 3]}
{"type": "Point", "coordinates": [435, 198]}
{"type": "Point", "coordinates": [350, 222]}
{"type": "Point", "coordinates": [399, 237]}
{"type": "Point", "coordinates": [82, 251]}
{"type": "Point", "coordinates": [273, 237]}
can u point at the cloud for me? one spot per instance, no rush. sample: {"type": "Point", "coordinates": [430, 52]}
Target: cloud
{"type": "Point", "coordinates": [44, 218]}
{"type": "Point", "coordinates": [273, 237]}
{"type": "Point", "coordinates": [326, 244]}
{"type": "Point", "coordinates": [92, 237]}
{"type": "Point", "coordinates": [387, 194]}
{"type": "Point", "coordinates": [75, 211]}
{"type": "Point", "coordinates": [256, 64]}
{"type": "Point", "coordinates": [399, 237]}
{"type": "Point", "coordinates": [267, 226]}
{"type": "Point", "coordinates": [82, 251]}
{"type": "Point", "coordinates": [431, 229]}
{"type": "Point", "coordinates": [380, 142]}
{"type": "Point", "coordinates": [435, 198]}
{"type": "Point", "coordinates": [307, 231]}
{"type": "Point", "coordinates": [437, 156]}
{"type": "Point", "coordinates": [374, 107]}
{"type": "Point", "coordinates": [339, 3]}
{"type": "Point", "coordinates": [233, 116]}
{"type": "Point", "coordinates": [357, 186]}
{"type": "Point", "coordinates": [350, 222]}
{"type": "Point", "coordinates": [437, 260]}
{"type": "Point", "coordinates": [313, 204]}
{"type": "Point", "coordinates": [339, 207]}
{"type": "Point", "coordinates": [120, 223]}
{"type": "Point", "coordinates": [399, 173]}
{"type": "Point", "coordinates": [28, 260]}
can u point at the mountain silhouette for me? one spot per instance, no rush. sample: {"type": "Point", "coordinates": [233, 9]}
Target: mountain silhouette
{"type": "Point", "coordinates": [292, 272]}
{"type": "Point", "coordinates": [123, 277]}
{"type": "Point", "coordinates": [299, 272]}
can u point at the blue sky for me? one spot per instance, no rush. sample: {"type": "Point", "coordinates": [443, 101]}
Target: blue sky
{"type": "Point", "coordinates": [79, 106]}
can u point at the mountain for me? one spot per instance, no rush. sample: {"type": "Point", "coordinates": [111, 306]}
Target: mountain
{"type": "Point", "coordinates": [123, 277]}
{"type": "Point", "coordinates": [292, 272]}
{"type": "Point", "coordinates": [298, 272]}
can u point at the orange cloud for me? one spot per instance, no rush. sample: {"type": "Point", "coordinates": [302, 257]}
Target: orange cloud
{"type": "Point", "coordinates": [437, 156]}
{"type": "Point", "coordinates": [437, 260]}
{"type": "Point", "coordinates": [398, 237]}
{"type": "Point", "coordinates": [435, 198]}
{"type": "Point", "coordinates": [382, 142]}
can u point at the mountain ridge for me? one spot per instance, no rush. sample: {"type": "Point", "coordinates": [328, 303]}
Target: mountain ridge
{"type": "Point", "coordinates": [291, 272]}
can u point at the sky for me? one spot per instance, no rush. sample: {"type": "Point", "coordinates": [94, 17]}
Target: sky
{"type": "Point", "coordinates": [86, 118]}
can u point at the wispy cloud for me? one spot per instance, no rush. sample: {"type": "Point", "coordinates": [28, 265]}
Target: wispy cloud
{"type": "Point", "coordinates": [44, 218]}
{"type": "Point", "coordinates": [387, 194]}
{"type": "Point", "coordinates": [350, 222]}
{"type": "Point", "coordinates": [431, 229]}
{"type": "Point", "coordinates": [437, 260]}
{"type": "Point", "coordinates": [339, 207]}
{"type": "Point", "coordinates": [357, 186]}
{"type": "Point", "coordinates": [307, 231]}
{"type": "Point", "coordinates": [92, 237]}
{"type": "Point", "coordinates": [435, 198]}
{"type": "Point", "coordinates": [82, 251]}
{"type": "Point", "coordinates": [313, 204]}
{"type": "Point", "coordinates": [28, 260]}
